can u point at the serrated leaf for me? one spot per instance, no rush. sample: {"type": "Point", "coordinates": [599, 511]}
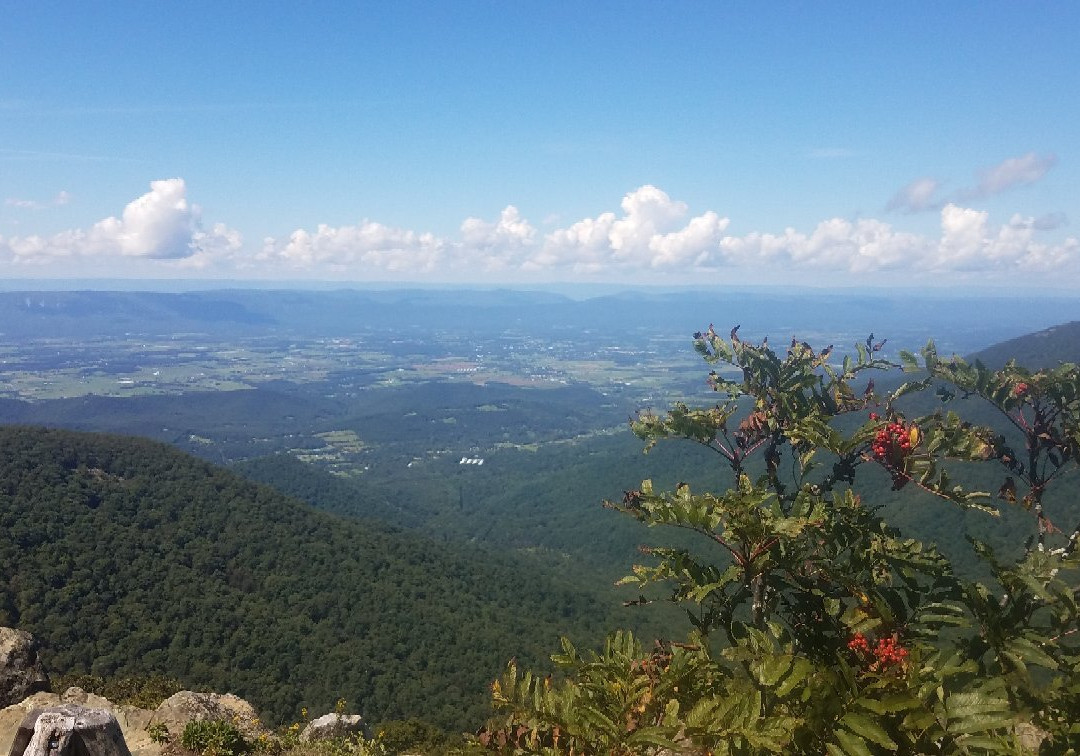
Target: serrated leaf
{"type": "Point", "coordinates": [868, 728]}
{"type": "Point", "coordinates": [1024, 649]}
{"type": "Point", "coordinates": [852, 744]}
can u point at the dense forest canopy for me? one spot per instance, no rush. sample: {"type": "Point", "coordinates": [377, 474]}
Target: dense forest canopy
{"type": "Point", "coordinates": [127, 557]}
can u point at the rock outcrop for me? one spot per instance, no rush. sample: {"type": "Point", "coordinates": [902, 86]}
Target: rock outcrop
{"type": "Point", "coordinates": [183, 707]}
{"type": "Point", "coordinates": [21, 673]}
{"type": "Point", "coordinates": [333, 726]}
{"type": "Point", "coordinates": [69, 730]}
{"type": "Point", "coordinates": [24, 695]}
{"type": "Point", "coordinates": [174, 713]}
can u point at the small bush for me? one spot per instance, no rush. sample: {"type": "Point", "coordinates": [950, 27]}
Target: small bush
{"type": "Point", "coordinates": [159, 733]}
{"type": "Point", "coordinates": [413, 736]}
{"type": "Point", "coordinates": [213, 737]}
{"type": "Point", "coordinates": [145, 692]}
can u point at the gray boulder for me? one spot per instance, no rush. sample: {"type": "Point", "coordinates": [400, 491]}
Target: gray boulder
{"type": "Point", "coordinates": [333, 726]}
{"type": "Point", "coordinates": [21, 673]}
{"type": "Point", "coordinates": [69, 730]}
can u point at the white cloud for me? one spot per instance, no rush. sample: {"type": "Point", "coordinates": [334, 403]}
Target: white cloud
{"type": "Point", "coordinates": [836, 244]}
{"type": "Point", "coordinates": [1018, 171]}
{"type": "Point", "coordinates": [22, 203]}
{"type": "Point", "coordinates": [651, 237]}
{"type": "Point", "coordinates": [62, 198]}
{"type": "Point", "coordinates": [495, 246]}
{"type": "Point", "coordinates": [369, 244]}
{"type": "Point", "coordinates": [964, 240]}
{"type": "Point", "coordinates": [159, 225]}
{"type": "Point", "coordinates": [922, 194]}
{"type": "Point", "coordinates": [916, 196]}
{"type": "Point", "coordinates": [511, 230]}
{"type": "Point", "coordinates": [968, 242]}
{"type": "Point", "coordinates": [649, 234]}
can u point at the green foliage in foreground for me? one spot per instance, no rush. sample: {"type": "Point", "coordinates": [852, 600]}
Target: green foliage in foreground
{"type": "Point", "coordinates": [818, 628]}
{"type": "Point", "coordinates": [213, 737]}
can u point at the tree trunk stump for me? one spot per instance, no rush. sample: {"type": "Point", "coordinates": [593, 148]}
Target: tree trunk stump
{"type": "Point", "coordinates": [69, 730]}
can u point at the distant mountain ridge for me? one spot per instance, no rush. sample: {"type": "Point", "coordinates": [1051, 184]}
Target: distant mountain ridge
{"type": "Point", "coordinates": [103, 314]}
{"type": "Point", "coordinates": [1041, 349]}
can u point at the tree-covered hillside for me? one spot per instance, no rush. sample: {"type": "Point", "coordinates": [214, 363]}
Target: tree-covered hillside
{"type": "Point", "coordinates": [125, 556]}
{"type": "Point", "coordinates": [1045, 348]}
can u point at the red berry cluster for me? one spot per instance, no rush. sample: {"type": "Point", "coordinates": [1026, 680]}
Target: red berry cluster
{"type": "Point", "coordinates": [893, 442]}
{"type": "Point", "coordinates": [889, 652]}
{"type": "Point", "coordinates": [1020, 389]}
{"type": "Point", "coordinates": [859, 644]}
{"type": "Point", "coordinates": [886, 653]}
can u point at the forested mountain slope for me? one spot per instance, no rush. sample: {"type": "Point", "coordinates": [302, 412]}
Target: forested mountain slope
{"type": "Point", "coordinates": [1046, 348]}
{"type": "Point", "coordinates": [125, 556]}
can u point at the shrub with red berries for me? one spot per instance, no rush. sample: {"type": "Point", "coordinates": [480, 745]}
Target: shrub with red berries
{"type": "Point", "coordinates": [885, 654]}
{"type": "Point", "coordinates": [793, 562]}
{"type": "Point", "coordinates": [892, 444]}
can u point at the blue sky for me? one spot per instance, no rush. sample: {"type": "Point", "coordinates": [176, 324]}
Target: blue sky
{"type": "Point", "coordinates": [854, 144]}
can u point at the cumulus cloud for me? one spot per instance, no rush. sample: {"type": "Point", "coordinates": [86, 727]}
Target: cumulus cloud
{"type": "Point", "coordinates": [498, 245]}
{"type": "Point", "coordinates": [916, 197]}
{"type": "Point", "coordinates": [368, 244]}
{"type": "Point", "coordinates": [1018, 171]}
{"type": "Point", "coordinates": [835, 244]}
{"type": "Point", "coordinates": [159, 225]}
{"type": "Point", "coordinates": [650, 234]}
{"type": "Point", "coordinates": [511, 230]}
{"type": "Point", "coordinates": [968, 242]}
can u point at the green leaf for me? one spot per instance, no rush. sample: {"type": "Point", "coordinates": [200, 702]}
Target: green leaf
{"type": "Point", "coordinates": [653, 736]}
{"type": "Point", "coordinates": [909, 361]}
{"type": "Point", "coordinates": [1024, 649]}
{"type": "Point", "coordinates": [852, 744]}
{"type": "Point", "coordinates": [868, 728]}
